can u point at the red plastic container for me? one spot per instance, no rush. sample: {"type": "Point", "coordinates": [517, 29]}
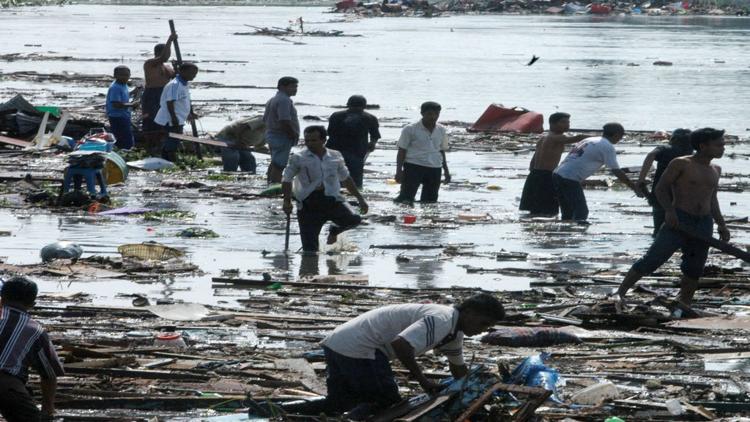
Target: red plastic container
{"type": "Point", "coordinates": [410, 219]}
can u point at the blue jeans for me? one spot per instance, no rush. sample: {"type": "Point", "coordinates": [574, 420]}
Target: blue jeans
{"type": "Point", "coordinates": [572, 200]}
{"type": "Point", "coordinates": [668, 240]}
{"type": "Point", "coordinates": [123, 132]}
{"type": "Point", "coordinates": [355, 163]}
{"type": "Point", "coordinates": [281, 147]}
{"type": "Point", "coordinates": [356, 381]}
{"type": "Point", "coordinates": [232, 158]}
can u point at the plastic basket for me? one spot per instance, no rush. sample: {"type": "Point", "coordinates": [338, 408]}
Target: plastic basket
{"type": "Point", "coordinates": [146, 251]}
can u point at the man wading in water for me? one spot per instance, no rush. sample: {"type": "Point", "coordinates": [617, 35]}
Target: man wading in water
{"type": "Point", "coordinates": [687, 192]}
{"type": "Point", "coordinates": [157, 73]}
{"type": "Point", "coordinates": [538, 196]}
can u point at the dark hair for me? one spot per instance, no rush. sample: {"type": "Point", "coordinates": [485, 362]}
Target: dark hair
{"type": "Point", "coordinates": [356, 101]}
{"type": "Point", "coordinates": [612, 129]}
{"type": "Point", "coordinates": [158, 48]}
{"type": "Point", "coordinates": [19, 289]}
{"type": "Point", "coordinates": [286, 81]}
{"type": "Point", "coordinates": [484, 304]}
{"type": "Point", "coordinates": [556, 117]}
{"type": "Point", "coordinates": [704, 135]}
{"type": "Point", "coordinates": [188, 65]}
{"type": "Point", "coordinates": [317, 128]}
{"type": "Point", "coordinates": [430, 106]}
{"type": "Point", "coordinates": [681, 138]}
{"type": "Point", "coordinates": [120, 68]}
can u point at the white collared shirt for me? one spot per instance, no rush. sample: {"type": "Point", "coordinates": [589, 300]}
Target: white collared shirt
{"type": "Point", "coordinates": [422, 146]}
{"type": "Point", "coordinates": [176, 90]}
{"type": "Point", "coordinates": [308, 172]}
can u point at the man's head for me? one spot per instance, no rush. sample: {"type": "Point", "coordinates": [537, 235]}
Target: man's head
{"type": "Point", "coordinates": [478, 313]}
{"type": "Point", "coordinates": [559, 122]}
{"type": "Point", "coordinates": [19, 291]}
{"type": "Point", "coordinates": [158, 49]}
{"type": "Point", "coordinates": [315, 138]}
{"type": "Point", "coordinates": [188, 71]}
{"type": "Point", "coordinates": [430, 112]}
{"type": "Point", "coordinates": [288, 85]}
{"type": "Point", "coordinates": [680, 138]}
{"type": "Point", "coordinates": [613, 132]}
{"type": "Point", "coordinates": [122, 74]}
{"type": "Point", "coordinates": [708, 142]}
{"type": "Point", "coordinates": [356, 103]}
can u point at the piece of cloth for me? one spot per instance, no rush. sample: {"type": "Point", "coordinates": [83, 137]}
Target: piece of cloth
{"type": "Point", "coordinates": [424, 326]}
{"type": "Point", "coordinates": [118, 93]}
{"type": "Point", "coordinates": [587, 157]}
{"type": "Point", "coordinates": [355, 163]}
{"type": "Point", "coordinates": [149, 107]}
{"type": "Point", "coordinates": [280, 147]}
{"type": "Point", "coordinates": [121, 128]}
{"type": "Point", "coordinates": [308, 172]}
{"type": "Point", "coordinates": [231, 159]}
{"type": "Point", "coordinates": [315, 211]}
{"type": "Point", "coordinates": [157, 73]}
{"type": "Point", "coordinates": [668, 240]}
{"type": "Point", "coordinates": [572, 200]}
{"type": "Point", "coordinates": [415, 176]}
{"type": "Point", "coordinates": [280, 108]}
{"type": "Point", "coordinates": [16, 404]}
{"type": "Point", "coordinates": [176, 90]}
{"type": "Point", "coordinates": [24, 343]}
{"type": "Point", "coordinates": [352, 381]}
{"type": "Point", "coordinates": [350, 132]}
{"type": "Point", "coordinates": [539, 195]}
{"type": "Point", "coordinates": [244, 134]}
{"type": "Point", "coordinates": [422, 146]}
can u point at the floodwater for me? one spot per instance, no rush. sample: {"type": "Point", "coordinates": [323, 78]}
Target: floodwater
{"type": "Point", "coordinates": [597, 69]}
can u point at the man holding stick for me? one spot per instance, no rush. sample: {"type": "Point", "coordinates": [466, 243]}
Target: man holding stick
{"type": "Point", "coordinates": [687, 192]}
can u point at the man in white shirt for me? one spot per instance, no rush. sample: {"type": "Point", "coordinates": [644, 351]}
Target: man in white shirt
{"type": "Point", "coordinates": [315, 176]}
{"type": "Point", "coordinates": [421, 155]}
{"type": "Point", "coordinates": [174, 108]}
{"type": "Point", "coordinates": [585, 159]}
{"type": "Point", "coordinates": [358, 352]}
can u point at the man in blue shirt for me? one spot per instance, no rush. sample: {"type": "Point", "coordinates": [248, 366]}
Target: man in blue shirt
{"type": "Point", "coordinates": [118, 108]}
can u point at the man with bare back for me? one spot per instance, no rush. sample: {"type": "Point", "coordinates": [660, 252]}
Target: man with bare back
{"type": "Point", "coordinates": [687, 192]}
{"type": "Point", "coordinates": [538, 192]}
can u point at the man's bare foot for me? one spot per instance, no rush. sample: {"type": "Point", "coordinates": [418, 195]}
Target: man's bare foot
{"type": "Point", "coordinates": [619, 302]}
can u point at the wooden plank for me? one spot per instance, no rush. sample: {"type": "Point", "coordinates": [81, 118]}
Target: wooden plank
{"type": "Point", "coordinates": [15, 142]}
{"type": "Point", "coordinates": [150, 403]}
{"type": "Point", "coordinates": [266, 283]}
{"type": "Point", "coordinates": [126, 373]}
{"type": "Point", "coordinates": [197, 140]}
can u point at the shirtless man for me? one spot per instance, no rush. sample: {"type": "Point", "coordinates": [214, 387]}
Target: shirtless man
{"type": "Point", "coordinates": [687, 192]}
{"type": "Point", "coordinates": [157, 73]}
{"type": "Point", "coordinates": [538, 192]}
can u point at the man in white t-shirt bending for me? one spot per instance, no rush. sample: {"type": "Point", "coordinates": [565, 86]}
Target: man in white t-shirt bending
{"type": "Point", "coordinates": [358, 353]}
{"type": "Point", "coordinates": [585, 159]}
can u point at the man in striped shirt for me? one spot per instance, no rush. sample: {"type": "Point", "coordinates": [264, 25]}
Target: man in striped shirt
{"type": "Point", "coordinates": [24, 343]}
{"type": "Point", "coordinates": [358, 352]}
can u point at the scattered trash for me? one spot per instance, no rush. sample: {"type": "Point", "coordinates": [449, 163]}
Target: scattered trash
{"type": "Point", "coordinates": [149, 251]}
{"type": "Point", "coordinates": [197, 232]}
{"type": "Point", "coordinates": [596, 394]}
{"type": "Point", "coordinates": [180, 311]}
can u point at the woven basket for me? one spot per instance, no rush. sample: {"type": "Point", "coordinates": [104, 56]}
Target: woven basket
{"type": "Point", "coordinates": [146, 251]}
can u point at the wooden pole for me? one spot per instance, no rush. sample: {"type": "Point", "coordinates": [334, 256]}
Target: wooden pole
{"type": "Point", "coordinates": [198, 152]}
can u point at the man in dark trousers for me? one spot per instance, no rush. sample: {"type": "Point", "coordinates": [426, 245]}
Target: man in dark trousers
{"type": "Point", "coordinates": [585, 159]}
{"type": "Point", "coordinates": [421, 155]}
{"type": "Point", "coordinates": [175, 108]}
{"type": "Point", "coordinates": [157, 72]}
{"type": "Point", "coordinates": [348, 132]}
{"type": "Point", "coordinates": [687, 193]}
{"type": "Point", "coordinates": [358, 353]}
{"type": "Point", "coordinates": [538, 196]}
{"type": "Point", "coordinates": [314, 177]}
{"type": "Point", "coordinates": [679, 145]}
{"type": "Point", "coordinates": [24, 342]}
{"type": "Point", "coordinates": [282, 126]}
